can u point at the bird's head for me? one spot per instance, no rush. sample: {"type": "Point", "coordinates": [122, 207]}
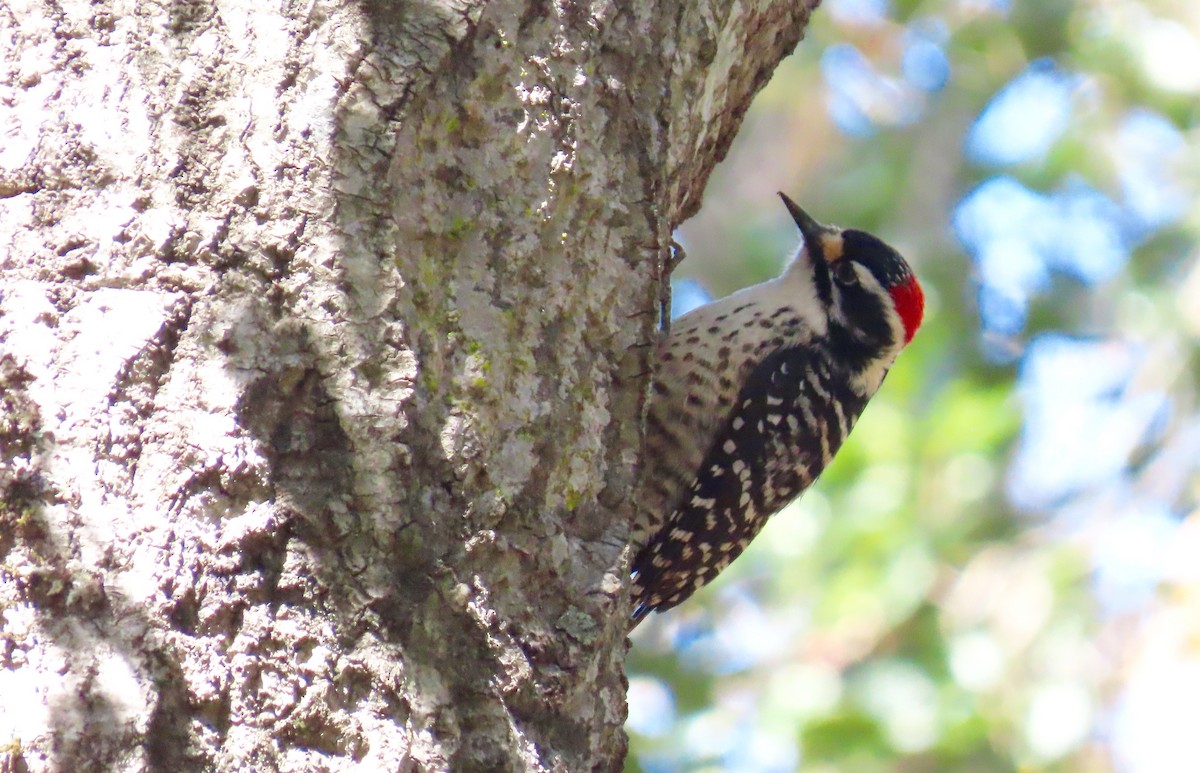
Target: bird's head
{"type": "Point", "coordinates": [868, 290]}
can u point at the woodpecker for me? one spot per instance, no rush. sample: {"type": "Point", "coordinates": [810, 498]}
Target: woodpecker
{"type": "Point", "coordinates": [754, 395]}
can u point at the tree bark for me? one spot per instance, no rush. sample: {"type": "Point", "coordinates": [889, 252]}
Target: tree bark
{"type": "Point", "coordinates": [324, 340]}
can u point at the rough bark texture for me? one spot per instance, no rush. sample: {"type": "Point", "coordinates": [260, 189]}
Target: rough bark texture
{"type": "Point", "coordinates": [323, 336]}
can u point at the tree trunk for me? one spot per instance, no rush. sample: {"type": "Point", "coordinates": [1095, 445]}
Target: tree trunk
{"type": "Point", "coordinates": [324, 338]}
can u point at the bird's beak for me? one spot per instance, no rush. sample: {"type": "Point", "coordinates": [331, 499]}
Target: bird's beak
{"type": "Point", "coordinates": [810, 229]}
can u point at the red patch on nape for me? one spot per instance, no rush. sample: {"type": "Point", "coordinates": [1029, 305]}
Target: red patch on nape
{"type": "Point", "coordinates": [910, 305]}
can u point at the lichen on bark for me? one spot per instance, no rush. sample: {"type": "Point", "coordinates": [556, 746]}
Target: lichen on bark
{"type": "Point", "coordinates": [324, 334]}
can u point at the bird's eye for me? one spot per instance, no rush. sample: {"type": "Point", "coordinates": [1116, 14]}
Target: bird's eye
{"type": "Point", "coordinates": [844, 273]}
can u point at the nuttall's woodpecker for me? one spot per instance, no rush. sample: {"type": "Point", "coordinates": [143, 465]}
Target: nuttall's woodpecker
{"type": "Point", "coordinates": [753, 397]}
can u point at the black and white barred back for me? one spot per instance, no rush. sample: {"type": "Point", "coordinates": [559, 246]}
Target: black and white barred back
{"type": "Point", "coordinates": [754, 397]}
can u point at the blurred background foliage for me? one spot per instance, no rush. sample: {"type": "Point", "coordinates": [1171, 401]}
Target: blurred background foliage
{"type": "Point", "coordinates": [1001, 570]}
